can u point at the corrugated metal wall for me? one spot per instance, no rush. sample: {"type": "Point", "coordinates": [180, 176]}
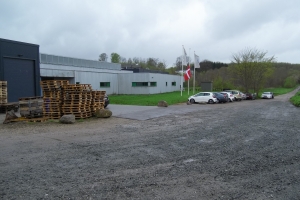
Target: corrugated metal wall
{"type": "Point", "coordinates": [125, 83]}
{"type": "Point", "coordinates": [85, 75]}
{"type": "Point", "coordinates": [94, 72]}
{"type": "Point", "coordinates": [77, 62]}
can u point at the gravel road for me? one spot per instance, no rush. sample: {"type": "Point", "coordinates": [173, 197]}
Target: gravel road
{"type": "Point", "coordinates": [239, 150]}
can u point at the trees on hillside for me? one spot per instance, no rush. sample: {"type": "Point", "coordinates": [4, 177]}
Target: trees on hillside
{"type": "Point", "coordinates": [251, 67]}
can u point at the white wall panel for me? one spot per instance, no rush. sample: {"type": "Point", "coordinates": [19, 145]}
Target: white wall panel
{"type": "Point", "coordinates": [125, 83]}
{"type": "Point", "coordinates": [120, 81]}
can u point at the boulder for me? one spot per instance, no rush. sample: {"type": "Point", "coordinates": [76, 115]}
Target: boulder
{"type": "Point", "coordinates": [67, 119]}
{"type": "Point", "coordinates": [162, 104]}
{"type": "Point", "coordinates": [103, 113]}
{"type": "Point", "coordinates": [10, 115]}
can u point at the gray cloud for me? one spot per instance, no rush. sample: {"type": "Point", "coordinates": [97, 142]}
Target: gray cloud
{"type": "Point", "coordinates": [214, 29]}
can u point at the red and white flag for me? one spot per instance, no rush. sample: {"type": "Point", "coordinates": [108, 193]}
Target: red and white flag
{"type": "Point", "coordinates": [187, 74]}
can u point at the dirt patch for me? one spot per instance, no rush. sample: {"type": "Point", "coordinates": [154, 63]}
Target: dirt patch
{"type": "Point", "coordinates": [239, 150]}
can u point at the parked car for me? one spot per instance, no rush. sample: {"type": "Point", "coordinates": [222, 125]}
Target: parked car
{"type": "Point", "coordinates": [106, 100]}
{"type": "Point", "coordinates": [267, 95]}
{"type": "Point", "coordinates": [208, 97]}
{"type": "Point", "coordinates": [229, 96]}
{"type": "Point", "coordinates": [250, 96]}
{"type": "Point", "coordinates": [221, 98]}
{"type": "Point", "coordinates": [237, 94]}
{"type": "Point", "coordinates": [243, 96]}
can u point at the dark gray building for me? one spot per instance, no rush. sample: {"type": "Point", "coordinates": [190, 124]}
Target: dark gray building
{"type": "Point", "coordinates": [19, 66]}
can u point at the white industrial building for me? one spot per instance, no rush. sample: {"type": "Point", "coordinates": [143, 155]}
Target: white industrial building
{"type": "Point", "coordinates": [106, 76]}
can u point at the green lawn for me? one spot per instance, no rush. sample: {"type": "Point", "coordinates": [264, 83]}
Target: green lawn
{"type": "Point", "coordinates": [171, 97]}
{"type": "Point", "coordinates": [151, 99]}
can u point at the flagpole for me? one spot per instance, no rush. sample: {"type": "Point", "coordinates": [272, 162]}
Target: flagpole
{"type": "Point", "coordinates": [189, 78]}
{"type": "Point", "coordinates": [182, 71]}
{"type": "Point", "coordinates": [194, 75]}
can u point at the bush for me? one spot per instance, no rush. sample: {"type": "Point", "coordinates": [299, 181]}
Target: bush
{"type": "Point", "coordinates": [296, 99]}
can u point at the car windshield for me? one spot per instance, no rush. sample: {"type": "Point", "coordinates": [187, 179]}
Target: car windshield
{"type": "Point", "coordinates": [267, 93]}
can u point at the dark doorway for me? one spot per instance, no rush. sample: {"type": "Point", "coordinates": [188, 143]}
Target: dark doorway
{"type": "Point", "coordinates": [20, 78]}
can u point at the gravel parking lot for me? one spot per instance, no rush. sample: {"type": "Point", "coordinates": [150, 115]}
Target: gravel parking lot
{"type": "Point", "coordinates": [239, 150]}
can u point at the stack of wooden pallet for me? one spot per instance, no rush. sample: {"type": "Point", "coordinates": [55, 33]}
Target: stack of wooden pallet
{"type": "Point", "coordinates": [3, 96]}
{"type": "Point", "coordinates": [77, 99]}
{"type": "Point", "coordinates": [31, 107]}
{"type": "Point", "coordinates": [52, 96]}
{"type": "Point", "coordinates": [62, 98]}
{"type": "Point", "coordinates": [97, 100]}
{"type": "Point", "coordinates": [3, 92]}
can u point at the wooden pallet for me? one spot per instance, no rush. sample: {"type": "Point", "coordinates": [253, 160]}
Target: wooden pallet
{"type": "Point", "coordinates": [3, 101]}
{"type": "Point", "coordinates": [31, 98]}
{"type": "Point", "coordinates": [80, 115]}
{"type": "Point", "coordinates": [3, 83]}
{"type": "Point", "coordinates": [52, 85]}
{"type": "Point", "coordinates": [42, 119]}
{"type": "Point", "coordinates": [52, 94]}
{"type": "Point", "coordinates": [77, 87]}
{"type": "Point", "coordinates": [77, 103]}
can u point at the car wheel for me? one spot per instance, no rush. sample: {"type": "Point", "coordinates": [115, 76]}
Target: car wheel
{"type": "Point", "coordinates": [192, 100]}
{"type": "Point", "coordinates": [210, 101]}
{"type": "Point", "coordinates": [272, 97]}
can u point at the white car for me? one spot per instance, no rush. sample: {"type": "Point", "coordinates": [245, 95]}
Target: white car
{"type": "Point", "coordinates": [267, 95]}
{"type": "Point", "coordinates": [243, 95]}
{"type": "Point", "coordinates": [237, 94]}
{"type": "Point", "coordinates": [208, 97]}
{"type": "Point", "coordinates": [230, 96]}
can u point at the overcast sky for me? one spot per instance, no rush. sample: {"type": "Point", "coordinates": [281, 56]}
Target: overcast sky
{"type": "Point", "coordinates": [214, 29]}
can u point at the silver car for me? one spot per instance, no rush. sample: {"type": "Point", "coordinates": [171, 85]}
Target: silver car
{"type": "Point", "coordinates": [208, 97]}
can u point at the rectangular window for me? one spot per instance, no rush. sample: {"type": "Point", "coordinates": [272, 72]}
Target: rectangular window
{"type": "Point", "coordinates": [166, 83]}
{"type": "Point", "coordinates": [139, 84]}
{"type": "Point", "coordinates": [173, 83]}
{"type": "Point", "coordinates": [77, 82]}
{"type": "Point", "coordinates": [153, 84]}
{"type": "Point", "coordinates": [104, 84]}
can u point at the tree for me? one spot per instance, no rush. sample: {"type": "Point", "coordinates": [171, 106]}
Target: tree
{"type": "Point", "coordinates": [162, 66]}
{"type": "Point", "coordinates": [290, 82]}
{"type": "Point", "coordinates": [179, 62]}
{"type": "Point", "coordinates": [115, 58]}
{"type": "Point", "coordinates": [103, 57]}
{"type": "Point", "coordinates": [136, 60]}
{"type": "Point", "coordinates": [251, 68]}
{"type": "Point", "coordinates": [123, 60]}
{"type": "Point", "coordinates": [129, 61]}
